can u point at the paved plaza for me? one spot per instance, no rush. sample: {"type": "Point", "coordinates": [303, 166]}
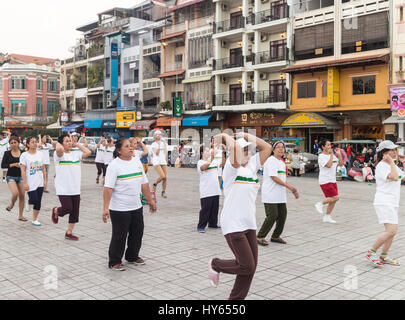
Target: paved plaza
{"type": "Point", "coordinates": [321, 261]}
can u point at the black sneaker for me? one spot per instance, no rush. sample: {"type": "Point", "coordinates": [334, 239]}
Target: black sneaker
{"type": "Point", "coordinates": [137, 262]}
{"type": "Point", "coordinates": [118, 267]}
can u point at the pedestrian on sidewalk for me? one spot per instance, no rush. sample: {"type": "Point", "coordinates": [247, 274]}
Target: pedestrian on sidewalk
{"type": "Point", "coordinates": [34, 177]}
{"type": "Point", "coordinates": [45, 144]}
{"type": "Point", "coordinates": [125, 181]}
{"type": "Point", "coordinates": [4, 140]}
{"type": "Point", "coordinates": [159, 161]}
{"type": "Point", "coordinates": [274, 195]}
{"type": "Point", "coordinates": [238, 219]}
{"type": "Point", "coordinates": [68, 181]}
{"type": "Point", "coordinates": [328, 163]}
{"type": "Point", "coordinates": [11, 162]}
{"type": "Point", "coordinates": [209, 189]}
{"type": "Point", "coordinates": [101, 169]}
{"type": "Point", "coordinates": [296, 163]}
{"type": "Point", "coordinates": [386, 202]}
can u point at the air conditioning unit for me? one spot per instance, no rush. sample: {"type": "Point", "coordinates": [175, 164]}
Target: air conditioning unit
{"type": "Point", "coordinates": [224, 7]}
{"type": "Point", "coordinates": [210, 62]}
{"type": "Point", "coordinates": [224, 79]}
{"type": "Point", "coordinates": [264, 37]}
{"type": "Point", "coordinates": [223, 44]}
{"type": "Point", "coordinates": [264, 1]}
{"type": "Point", "coordinates": [109, 103]}
{"type": "Point", "coordinates": [263, 76]}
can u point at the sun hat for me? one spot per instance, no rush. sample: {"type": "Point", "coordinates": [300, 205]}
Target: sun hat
{"type": "Point", "coordinates": [243, 143]}
{"type": "Point", "coordinates": [387, 144]}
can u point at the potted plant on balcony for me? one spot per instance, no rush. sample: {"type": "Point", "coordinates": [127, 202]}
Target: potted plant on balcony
{"type": "Point", "coordinates": [166, 105]}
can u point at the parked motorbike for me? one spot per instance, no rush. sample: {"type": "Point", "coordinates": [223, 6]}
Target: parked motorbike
{"type": "Point", "coordinates": [361, 173]}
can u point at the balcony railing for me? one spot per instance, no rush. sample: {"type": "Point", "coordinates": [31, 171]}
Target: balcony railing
{"type": "Point", "coordinates": [226, 100]}
{"type": "Point", "coordinates": [195, 106]}
{"type": "Point", "coordinates": [267, 16]}
{"type": "Point", "coordinates": [149, 109]}
{"type": "Point", "coordinates": [151, 75]}
{"type": "Point", "coordinates": [266, 57]}
{"type": "Point", "coordinates": [314, 53]}
{"type": "Point", "coordinates": [228, 63]}
{"type": "Point", "coordinates": [130, 81]}
{"type": "Point", "coordinates": [267, 97]}
{"type": "Point", "coordinates": [175, 28]}
{"type": "Point", "coordinates": [228, 25]}
{"type": "Point", "coordinates": [197, 63]}
{"type": "Point", "coordinates": [176, 66]}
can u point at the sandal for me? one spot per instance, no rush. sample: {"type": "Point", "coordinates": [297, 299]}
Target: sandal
{"type": "Point", "coordinates": [262, 242]}
{"type": "Point", "coordinates": [8, 209]}
{"type": "Point", "coordinates": [22, 219]}
{"type": "Point", "coordinates": [278, 240]}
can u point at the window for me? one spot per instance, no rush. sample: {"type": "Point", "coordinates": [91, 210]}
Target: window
{"type": "Point", "coordinates": [279, 9]}
{"type": "Point", "coordinates": [307, 89]}
{"type": "Point", "coordinates": [200, 50]}
{"type": "Point", "coordinates": [1, 107]}
{"type": "Point", "coordinates": [136, 75]}
{"type": "Point", "coordinates": [23, 83]}
{"type": "Point", "coordinates": [14, 83]}
{"type": "Point", "coordinates": [324, 88]}
{"type": "Point", "coordinates": [39, 84]}
{"type": "Point", "coordinates": [52, 108]}
{"type": "Point", "coordinates": [18, 107]}
{"type": "Point", "coordinates": [39, 108]}
{"type": "Point", "coordinates": [52, 85]}
{"type": "Point", "coordinates": [278, 50]}
{"type": "Point", "coordinates": [107, 68]}
{"type": "Point", "coordinates": [364, 85]}
{"type": "Point", "coordinates": [277, 91]}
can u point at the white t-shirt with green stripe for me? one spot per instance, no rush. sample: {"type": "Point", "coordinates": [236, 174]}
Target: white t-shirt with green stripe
{"type": "Point", "coordinates": [240, 190]}
{"type": "Point", "coordinates": [44, 150]}
{"type": "Point", "coordinates": [68, 171]}
{"type": "Point", "coordinates": [126, 179]}
{"type": "Point", "coordinates": [100, 154]}
{"type": "Point", "coordinates": [3, 147]}
{"type": "Point", "coordinates": [209, 184]}
{"type": "Point", "coordinates": [272, 192]}
{"type": "Point", "coordinates": [108, 155]}
{"type": "Point", "coordinates": [327, 175]}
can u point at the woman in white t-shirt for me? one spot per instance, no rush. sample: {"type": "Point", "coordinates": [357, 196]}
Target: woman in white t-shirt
{"type": "Point", "coordinates": [159, 162]}
{"type": "Point", "coordinates": [44, 147]}
{"type": "Point", "coordinates": [274, 195]}
{"type": "Point", "coordinates": [238, 218]}
{"type": "Point", "coordinates": [68, 181]}
{"type": "Point", "coordinates": [108, 154]}
{"type": "Point", "coordinates": [4, 138]}
{"type": "Point", "coordinates": [34, 177]}
{"type": "Point", "coordinates": [124, 183]}
{"type": "Point", "coordinates": [328, 163]}
{"type": "Point", "coordinates": [386, 202]}
{"type": "Point", "coordinates": [101, 169]}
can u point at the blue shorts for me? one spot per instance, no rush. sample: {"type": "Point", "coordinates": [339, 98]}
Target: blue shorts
{"type": "Point", "coordinates": [17, 180]}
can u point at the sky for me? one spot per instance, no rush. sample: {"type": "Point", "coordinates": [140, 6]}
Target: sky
{"type": "Point", "coordinates": [47, 28]}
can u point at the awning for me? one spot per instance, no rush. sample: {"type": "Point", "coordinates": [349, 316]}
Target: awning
{"type": "Point", "coordinates": [93, 124]}
{"type": "Point", "coordinates": [183, 5]}
{"type": "Point", "coordinates": [54, 126]}
{"type": "Point", "coordinates": [309, 120]}
{"type": "Point", "coordinates": [171, 74]}
{"type": "Point", "coordinates": [173, 35]}
{"type": "Point", "coordinates": [394, 120]}
{"type": "Point", "coordinates": [72, 127]}
{"type": "Point", "coordinates": [168, 122]}
{"type": "Point", "coordinates": [197, 121]}
{"type": "Point", "coordinates": [373, 59]}
{"type": "Point", "coordinates": [142, 125]}
{"type": "Point", "coordinates": [197, 79]}
{"type": "Point", "coordinates": [109, 124]}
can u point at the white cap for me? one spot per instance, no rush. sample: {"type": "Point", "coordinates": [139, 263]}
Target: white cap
{"type": "Point", "coordinates": [387, 144]}
{"type": "Point", "coordinates": [243, 143]}
{"type": "Point", "coordinates": [74, 134]}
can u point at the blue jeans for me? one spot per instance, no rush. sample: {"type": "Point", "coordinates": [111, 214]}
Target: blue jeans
{"type": "Point", "coordinates": [17, 180]}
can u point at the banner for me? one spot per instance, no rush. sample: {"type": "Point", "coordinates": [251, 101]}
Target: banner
{"type": "Point", "coordinates": [125, 119]}
{"type": "Point", "coordinates": [397, 98]}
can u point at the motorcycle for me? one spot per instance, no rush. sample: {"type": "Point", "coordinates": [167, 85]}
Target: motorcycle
{"type": "Point", "coordinates": [361, 173]}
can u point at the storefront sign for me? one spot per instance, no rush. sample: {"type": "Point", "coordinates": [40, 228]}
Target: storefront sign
{"type": "Point", "coordinates": [177, 107]}
{"type": "Point", "coordinates": [253, 119]}
{"type": "Point", "coordinates": [114, 71]}
{"type": "Point", "coordinates": [109, 124]}
{"type": "Point", "coordinates": [333, 87]}
{"type": "Point", "coordinates": [397, 98]}
{"type": "Point", "coordinates": [125, 119]}
{"type": "Point", "coordinates": [303, 119]}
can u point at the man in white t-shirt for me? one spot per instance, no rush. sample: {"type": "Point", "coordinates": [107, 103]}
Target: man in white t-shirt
{"type": "Point", "coordinates": [4, 138]}
{"type": "Point", "coordinates": [209, 189]}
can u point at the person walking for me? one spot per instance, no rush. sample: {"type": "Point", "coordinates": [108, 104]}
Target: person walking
{"type": "Point", "coordinates": [159, 161]}
{"type": "Point", "coordinates": [108, 154]}
{"type": "Point", "coordinates": [125, 181]}
{"type": "Point", "coordinates": [274, 195]}
{"type": "Point", "coordinates": [210, 190]}
{"type": "Point", "coordinates": [68, 182]}
{"type": "Point", "coordinates": [296, 163]}
{"type": "Point", "coordinates": [45, 144]}
{"type": "Point", "coordinates": [315, 147]}
{"type": "Point", "coordinates": [238, 218]}
{"type": "Point", "coordinates": [34, 177]}
{"type": "Point", "coordinates": [386, 201]}
{"type": "Point", "coordinates": [349, 154]}
{"type": "Point", "coordinates": [101, 169]}
{"type": "Point", "coordinates": [4, 140]}
{"type": "Point", "coordinates": [11, 162]}
{"type": "Point", "coordinates": [140, 151]}
{"type": "Point", "coordinates": [328, 163]}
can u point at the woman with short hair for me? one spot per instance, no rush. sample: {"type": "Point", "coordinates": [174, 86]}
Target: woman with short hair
{"type": "Point", "coordinates": [159, 161]}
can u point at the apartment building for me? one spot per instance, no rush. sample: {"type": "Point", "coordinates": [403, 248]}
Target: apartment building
{"type": "Point", "coordinates": [253, 40]}
{"type": "Point", "coordinates": [341, 55]}
{"type": "Point", "coordinates": [29, 91]}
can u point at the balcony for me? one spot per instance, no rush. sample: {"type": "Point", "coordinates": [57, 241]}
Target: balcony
{"type": "Point", "coordinates": [227, 100]}
{"type": "Point", "coordinates": [192, 64]}
{"type": "Point", "coordinates": [151, 109]}
{"type": "Point", "coordinates": [174, 28]}
{"type": "Point", "coordinates": [176, 66]}
{"type": "Point", "coordinates": [229, 63]}
{"type": "Point", "coordinates": [151, 75]}
{"type": "Point", "coordinates": [268, 16]}
{"type": "Point", "coordinates": [267, 97]}
{"type": "Point", "coordinates": [130, 81]}
{"type": "Point", "coordinates": [229, 25]}
{"type": "Point", "coordinates": [196, 106]}
{"type": "Point", "coordinates": [267, 57]}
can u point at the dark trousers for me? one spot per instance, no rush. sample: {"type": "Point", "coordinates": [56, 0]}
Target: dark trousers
{"type": "Point", "coordinates": [125, 225]}
{"type": "Point", "coordinates": [101, 169]}
{"type": "Point", "coordinates": [275, 213]}
{"type": "Point", "coordinates": [244, 247]}
{"type": "Point", "coordinates": [296, 172]}
{"type": "Point", "coordinates": [209, 212]}
{"type": "Point", "coordinates": [35, 198]}
{"type": "Point", "coordinates": [70, 206]}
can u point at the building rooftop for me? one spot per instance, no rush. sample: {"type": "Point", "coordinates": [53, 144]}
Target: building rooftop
{"type": "Point", "coordinates": [24, 59]}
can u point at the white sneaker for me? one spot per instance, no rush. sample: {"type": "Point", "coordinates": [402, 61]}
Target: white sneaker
{"type": "Point", "coordinates": [36, 223]}
{"type": "Point", "coordinates": [328, 218]}
{"type": "Point", "coordinates": [319, 208]}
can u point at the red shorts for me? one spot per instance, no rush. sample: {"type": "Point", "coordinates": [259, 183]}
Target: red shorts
{"type": "Point", "coordinates": [330, 190]}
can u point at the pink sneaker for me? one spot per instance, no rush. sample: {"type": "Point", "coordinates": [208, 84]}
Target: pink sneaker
{"type": "Point", "coordinates": [213, 275]}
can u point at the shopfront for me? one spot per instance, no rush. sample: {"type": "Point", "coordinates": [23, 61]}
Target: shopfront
{"type": "Point", "coordinates": [310, 127]}
{"type": "Point", "coordinates": [141, 128]}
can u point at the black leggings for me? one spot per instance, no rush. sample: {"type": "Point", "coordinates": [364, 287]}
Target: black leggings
{"type": "Point", "coordinates": [101, 169]}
